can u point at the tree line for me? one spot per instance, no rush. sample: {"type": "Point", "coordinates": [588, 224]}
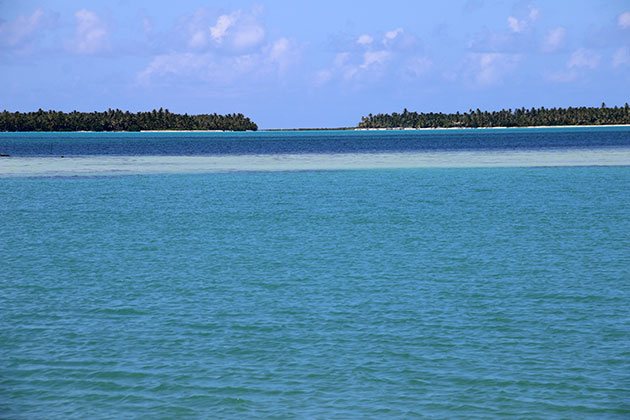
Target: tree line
{"type": "Point", "coordinates": [117, 120]}
{"type": "Point", "coordinates": [519, 117]}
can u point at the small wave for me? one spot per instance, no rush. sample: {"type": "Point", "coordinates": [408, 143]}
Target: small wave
{"type": "Point", "coordinates": [121, 311]}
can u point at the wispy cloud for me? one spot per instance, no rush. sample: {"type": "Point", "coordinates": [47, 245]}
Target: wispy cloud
{"type": "Point", "coordinates": [371, 58]}
{"type": "Point", "coordinates": [490, 68]}
{"type": "Point", "coordinates": [248, 36]}
{"type": "Point", "coordinates": [583, 58]}
{"type": "Point", "coordinates": [219, 69]}
{"type": "Point", "coordinates": [578, 64]}
{"type": "Point", "coordinates": [621, 57]}
{"type": "Point", "coordinates": [223, 49]}
{"type": "Point", "coordinates": [238, 30]}
{"type": "Point", "coordinates": [367, 60]}
{"type": "Point", "coordinates": [23, 29]}
{"type": "Point", "coordinates": [516, 25]}
{"type": "Point", "coordinates": [221, 27]}
{"type": "Point", "coordinates": [554, 39]}
{"type": "Point", "coordinates": [390, 36]}
{"type": "Point", "coordinates": [365, 39]}
{"type": "Point", "coordinates": [349, 68]}
{"type": "Point", "coordinates": [178, 64]}
{"type": "Point", "coordinates": [281, 54]}
{"type": "Point", "coordinates": [91, 33]}
{"type": "Point", "coordinates": [519, 25]}
{"type": "Point", "coordinates": [234, 32]}
{"type": "Point", "coordinates": [417, 67]}
{"type": "Point", "coordinates": [624, 20]}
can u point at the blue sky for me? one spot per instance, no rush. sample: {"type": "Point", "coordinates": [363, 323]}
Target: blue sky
{"type": "Point", "coordinates": [312, 64]}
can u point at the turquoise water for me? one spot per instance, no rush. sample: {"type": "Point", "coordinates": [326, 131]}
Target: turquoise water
{"type": "Point", "coordinates": [377, 293]}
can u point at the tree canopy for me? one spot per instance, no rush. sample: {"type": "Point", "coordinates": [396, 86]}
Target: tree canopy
{"type": "Point", "coordinates": [117, 120]}
{"type": "Point", "coordinates": [520, 117]}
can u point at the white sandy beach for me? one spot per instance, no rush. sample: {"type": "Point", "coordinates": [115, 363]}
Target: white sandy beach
{"type": "Point", "coordinates": [488, 128]}
{"type": "Point", "coordinates": [127, 165]}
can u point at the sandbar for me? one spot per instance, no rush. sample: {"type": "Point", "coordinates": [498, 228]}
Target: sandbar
{"type": "Point", "coordinates": [128, 165]}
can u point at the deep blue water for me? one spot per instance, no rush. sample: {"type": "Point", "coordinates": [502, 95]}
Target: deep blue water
{"type": "Point", "coordinates": [72, 144]}
{"type": "Point", "coordinates": [494, 292]}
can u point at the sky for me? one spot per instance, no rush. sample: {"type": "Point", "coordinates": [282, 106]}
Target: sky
{"type": "Point", "coordinates": [288, 63]}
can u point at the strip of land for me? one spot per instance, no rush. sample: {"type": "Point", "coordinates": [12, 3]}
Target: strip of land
{"type": "Point", "coordinates": [129, 165]}
{"type": "Point", "coordinates": [118, 120]}
{"type": "Point", "coordinates": [520, 117]}
{"type": "Point", "coordinates": [491, 128]}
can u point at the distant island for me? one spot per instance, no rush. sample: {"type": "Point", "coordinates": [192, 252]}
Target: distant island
{"type": "Point", "coordinates": [164, 120]}
{"type": "Point", "coordinates": [117, 120]}
{"type": "Point", "coordinates": [520, 117]}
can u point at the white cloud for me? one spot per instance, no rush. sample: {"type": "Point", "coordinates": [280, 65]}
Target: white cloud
{"type": "Point", "coordinates": [279, 49]}
{"type": "Point", "coordinates": [196, 29]}
{"type": "Point", "coordinates": [174, 64]}
{"type": "Point", "coordinates": [197, 39]}
{"type": "Point", "coordinates": [217, 68]}
{"type": "Point", "coordinates": [417, 66]}
{"type": "Point", "coordinates": [624, 20]}
{"type": "Point", "coordinates": [579, 61]}
{"type": "Point", "coordinates": [248, 35]}
{"type": "Point", "coordinates": [204, 67]}
{"type": "Point", "coordinates": [224, 22]}
{"type": "Point", "coordinates": [351, 66]}
{"type": "Point", "coordinates": [583, 58]}
{"type": "Point", "coordinates": [490, 68]}
{"type": "Point", "coordinates": [371, 58]}
{"type": "Point", "coordinates": [237, 30]}
{"type": "Point", "coordinates": [516, 25]}
{"type": "Point", "coordinates": [20, 31]}
{"type": "Point", "coordinates": [554, 39]}
{"type": "Point", "coordinates": [392, 35]}
{"type": "Point", "coordinates": [91, 35]}
{"type": "Point", "coordinates": [519, 25]}
{"type": "Point", "coordinates": [281, 54]}
{"type": "Point", "coordinates": [621, 57]}
{"type": "Point", "coordinates": [365, 39]}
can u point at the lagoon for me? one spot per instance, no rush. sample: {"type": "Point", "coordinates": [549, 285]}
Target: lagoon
{"type": "Point", "coordinates": [436, 291]}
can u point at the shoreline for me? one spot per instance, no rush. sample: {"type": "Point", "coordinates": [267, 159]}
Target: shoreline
{"type": "Point", "coordinates": [175, 131]}
{"type": "Point", "coordinates": [490, 128]}
{"type": "Point", "coordinates": [349, 129]}
{"type": "Point", "coordinates": [145, 165]}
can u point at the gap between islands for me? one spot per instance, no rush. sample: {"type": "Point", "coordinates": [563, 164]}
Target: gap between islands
{"type": "Point", "coordinates": [129, 165]}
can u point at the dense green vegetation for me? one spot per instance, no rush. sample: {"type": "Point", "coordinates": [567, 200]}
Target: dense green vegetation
{"type": "Point", "coordinates": [505, 118]}
{"type": "Point", "coordinates": [117, 120]}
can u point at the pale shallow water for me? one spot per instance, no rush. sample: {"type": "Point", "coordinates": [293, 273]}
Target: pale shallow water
{"type": "Point", "coordinates": [125, 165]}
